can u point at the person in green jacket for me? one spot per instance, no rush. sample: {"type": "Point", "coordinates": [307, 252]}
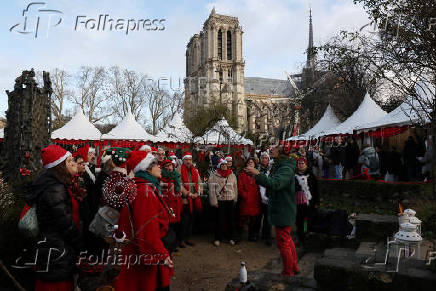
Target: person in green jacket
{"type": "Point", "coordinates": [282, 208]}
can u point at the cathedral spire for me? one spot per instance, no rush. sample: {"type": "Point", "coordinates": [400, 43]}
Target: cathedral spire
{"type": "Point", "coordinates": [310, 63]}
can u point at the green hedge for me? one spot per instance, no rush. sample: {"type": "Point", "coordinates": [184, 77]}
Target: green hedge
{"type": "Point", "coordinates": [371, 196]}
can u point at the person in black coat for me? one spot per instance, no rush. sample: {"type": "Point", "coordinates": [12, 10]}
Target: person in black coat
{"type": "Point", "coordinates": [410, 151]}
{"type": "Point", "coordinates": [307, 196]}
{"type": "Point", "coordinates": [59, 238]}
{"type": "Point", "coordinates": [351, 157]}
{"type": "Point", "coordinates": [338, 157]}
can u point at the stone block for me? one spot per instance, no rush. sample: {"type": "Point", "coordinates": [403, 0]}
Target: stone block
{"type": "Point", "coordinates": [370, 227]}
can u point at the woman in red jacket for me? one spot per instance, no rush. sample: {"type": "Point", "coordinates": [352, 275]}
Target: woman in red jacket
{"type": "Point", "coordinates": [249, 201]}
{"type": "Point", "coordinates": [146, 263]}
{"type": "Point", "coordinates": [170, 183]}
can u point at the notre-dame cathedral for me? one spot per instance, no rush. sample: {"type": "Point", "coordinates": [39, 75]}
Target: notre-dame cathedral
{"type": "Point", "coordinates": [215, 75]}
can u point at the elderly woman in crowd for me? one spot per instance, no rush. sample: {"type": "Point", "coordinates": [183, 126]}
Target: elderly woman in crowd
{"type": "Point", "coordinates": [223, 194]}
{"type": "Point", "coordinates": [145, 221]}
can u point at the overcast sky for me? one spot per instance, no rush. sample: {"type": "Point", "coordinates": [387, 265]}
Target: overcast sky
{"type": "Point", "coordinates": [274, 40]}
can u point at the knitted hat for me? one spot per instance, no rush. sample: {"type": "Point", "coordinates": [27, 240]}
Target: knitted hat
{"type": "Point", "coordinates": [220, 162]}
{"type": "Point", "coordinates": [187, 155]}
{"type": "Point", "coordinates": [140, 161]}
{"type": "Point", "coordinates": [53, 155]}
{"type": "Point", "coordinates": [82, 152]}
{"type": "Point", "coordinates": [229, 158]}
{"type": "Point", "coordinates": [265, 154]}
{"type": "Point", "coordinates": [119, 155]}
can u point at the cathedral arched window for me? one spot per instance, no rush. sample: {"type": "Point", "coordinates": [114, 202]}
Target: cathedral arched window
{"type": "Point", "coordinates": [229, 45]}
{"type": "Point", "coordinates": [220, 44]}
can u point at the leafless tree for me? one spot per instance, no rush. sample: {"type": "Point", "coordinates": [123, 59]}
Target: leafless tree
{"type": "Point", "coordinates": [91, 82]}
{"type": "Point", "coordinates": [126, 90]}
{"type": "Point", "coordinates": [155, 103]}
{"type": "Point", "coordinates": [61, 93]}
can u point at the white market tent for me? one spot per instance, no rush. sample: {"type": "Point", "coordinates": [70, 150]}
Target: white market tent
{"type": "Point", "coordinates": [328, 120]}
{"type": "Point", "coordinates": [78, 128]}
{"type": "Point", "coordinates": [175, 131]}
{"type": "Point", "coordinates": [128, 129]}
{"type": "Point", "coordinates": [223, 133]}
{"type": "Point", "coordinates": [410, 112]}
{"type": "Point", "coordinates": [368, 111]}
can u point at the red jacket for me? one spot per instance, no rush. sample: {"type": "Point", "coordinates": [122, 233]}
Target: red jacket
{"type": "Point", "coordinates": [150, 222]}
{"type": "Point", "coordinates": [172, 199]}
{"type": "Point", "coordinates": [249, 194]}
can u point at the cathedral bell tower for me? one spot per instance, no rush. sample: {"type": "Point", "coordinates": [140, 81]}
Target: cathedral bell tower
{"type": "Point", "coordinates": [215, 68]}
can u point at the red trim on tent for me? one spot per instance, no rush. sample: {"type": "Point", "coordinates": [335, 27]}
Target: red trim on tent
{"type": "Point", "coordinates": [387, 132]}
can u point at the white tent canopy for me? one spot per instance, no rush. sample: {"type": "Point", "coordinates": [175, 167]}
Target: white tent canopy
{"type": "Point", "coordinates": [223, 133]}
{"type": "Point", "coordinates": [2, 133]}
{"type": "Point", "coordinates": [411, 111]}
{"type": "Point", "coordinates": [78, 128]}
{"type": "Point", "coordinates": [128, 129]}
{"type": "Point", "coordinates": [175, 131]}
{"type": "Point", "coordinates": [328, 120]}
{"type": "Point", "coordinates": [368, 111]}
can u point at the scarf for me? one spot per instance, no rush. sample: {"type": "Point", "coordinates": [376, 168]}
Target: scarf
{"type": "Point", "coordinates": [77, 188]}
{"type": "Point", "coordinates": [225, 173]}
{"type": "Point", "coordinates": [150, 178]}
{"type": "Point", "coordinates": [185, 177]}
{"type": "Point", "coordinates": [302, 180]}
{"type": "Point", "coordinates": [173, 176]}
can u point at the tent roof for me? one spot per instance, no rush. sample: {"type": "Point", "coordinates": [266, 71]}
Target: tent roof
{"type": "Point", "coordinates": [223, 133]}
{"type": "Point", "coordinates": [175, 131]}
{"type": "Point", "coordinates": [411, 111]}
{"type": "Point", "coordinates": [78, 128]}
{"type": "Point", "coordinates": [368, 111]}
{"type": "Point", "coordinates": [327, 121]}
{"type": "Point", "coordinates": [128, 129]}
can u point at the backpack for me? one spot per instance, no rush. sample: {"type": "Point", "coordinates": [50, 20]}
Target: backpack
{"type": "Point", "coordinates": [28, 222]}
{"type": "Point", "coordinates": [373, 162]}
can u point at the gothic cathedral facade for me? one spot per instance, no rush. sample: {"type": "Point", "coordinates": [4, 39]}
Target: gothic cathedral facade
{"type": "Point", "coordinates": [215, 75]}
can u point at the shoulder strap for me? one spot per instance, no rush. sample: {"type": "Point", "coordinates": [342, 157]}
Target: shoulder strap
{"type": "Point", "coordinates": [131, 220]}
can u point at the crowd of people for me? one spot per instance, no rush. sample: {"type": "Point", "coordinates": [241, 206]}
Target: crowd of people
{"type": "Point", "coordinates": [343, 158]}
{"type": "Point", "coordinates": [144, 201]}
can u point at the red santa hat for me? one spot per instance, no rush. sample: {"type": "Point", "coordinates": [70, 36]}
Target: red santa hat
{"type": "Point", "coordinates": [153, 150]}
{"type": "Point", "coordinates": [172, 155]}
{"type": "Point", "coordinates": [220, 162]}
{"type": "Point", "coordinates": [166, 161]}
{"type": "Point", "coordinates": [145, 148]}
{"type": "Point", "coordinates": [140, 161]}
{"type": "Point", "coordinates": [82, 152]}
{"type": "Point", "coordinates": [53, 155]}
{"type": "Point", "coordinates": [187, 155]}
{"type": "Point", "coordinates": [229, 158]}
